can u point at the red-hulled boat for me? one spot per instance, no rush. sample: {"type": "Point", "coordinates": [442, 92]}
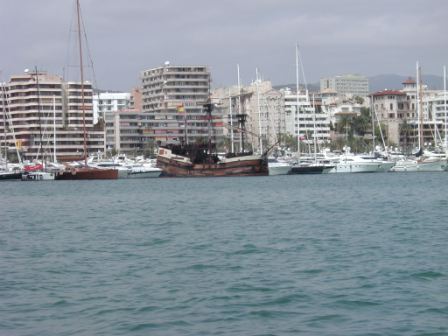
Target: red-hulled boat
{"type": "Point", "coordinates": [87, 173]}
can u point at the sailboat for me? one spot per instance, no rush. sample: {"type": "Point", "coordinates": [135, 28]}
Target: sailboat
{"type": "Point", "coordinates": [422, 162]}
{"type": "Point", "coordinates": [306, 166]}
{"type": "Point", "coordinates": [5, 172]}
{"type": "Point", "coordinates": [85, 172]}
{"type": "Point", "coordinates": [37, 171]}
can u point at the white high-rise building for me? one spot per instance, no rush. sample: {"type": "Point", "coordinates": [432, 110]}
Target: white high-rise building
{"type": "Point", "coordinates": [304, 120]}
{"type": "Point", "coordinates": [109, 102]}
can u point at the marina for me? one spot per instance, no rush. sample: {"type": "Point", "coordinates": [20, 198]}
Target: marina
{"type": "Point", "coordinates": [170, 168]}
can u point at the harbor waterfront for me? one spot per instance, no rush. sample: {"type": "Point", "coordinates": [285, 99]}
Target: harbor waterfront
{"type": "Point", "coordinates": [332, 254]}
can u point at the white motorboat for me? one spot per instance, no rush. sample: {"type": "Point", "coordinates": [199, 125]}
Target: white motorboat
{"type": "Point", "coordinates": [429, 164]}
{"type": "Point", "coordinates": [38, 176]}
{"type": "Point", "coordinates": [278, 167]}
{"type": "Point", "coordinates": [350, 163]}
{"type": "Point", "coordinates": [141, 171]}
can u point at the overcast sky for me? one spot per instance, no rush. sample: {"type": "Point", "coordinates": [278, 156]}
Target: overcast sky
{"type": "Point", "coordinates": [369, 37]}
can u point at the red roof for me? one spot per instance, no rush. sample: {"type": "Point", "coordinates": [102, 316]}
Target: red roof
{"type": "Point", "coordinates": [388, 93]}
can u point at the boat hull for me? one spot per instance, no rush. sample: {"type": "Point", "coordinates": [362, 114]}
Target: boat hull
{"type": "Point", "coordinates": [355, 167]}
{"type": "Point", "coordinates": [279, 170]}
{"type": "Point", "coordinates": [38, 176]}
{"type": "Point", "coordinates": [143, 174]}
{"type": "Point", "coordinates": [317, 169]}
{"type": "Point", "coordinates": [88, 174]}
{"type": "Point", "coordinates": [235, 167]}
{"type": "Point", "coordinates": [10, 176]}
{"type": "Point", "coordinates": [416, 166]}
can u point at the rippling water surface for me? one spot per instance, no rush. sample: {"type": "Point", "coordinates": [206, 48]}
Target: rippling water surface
{"type": "Point", "coordinates": [315, 255]}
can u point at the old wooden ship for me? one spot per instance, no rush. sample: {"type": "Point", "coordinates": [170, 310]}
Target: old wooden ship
{"type": "Point", "coordinates": [199, 160]}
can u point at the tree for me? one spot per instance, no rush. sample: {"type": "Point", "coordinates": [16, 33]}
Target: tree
{"type": "Point", "coordinates": [362, 124]}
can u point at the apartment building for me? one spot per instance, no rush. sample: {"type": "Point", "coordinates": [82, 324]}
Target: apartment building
{"type": "Point", "coordinates": [397, 110]}
{"type": "Point", "coordinates": [305, 119]}
{"type": "Point", "coordinates": [262, 108]}
{"type": "Point", "coordinates": [45, 117]}
{"type": "Point", "coordinates": [129, 130]}
{"type": "Point", "coordinates": [346, 85]}
{"type": "Point", "coordinates": [173, 98]}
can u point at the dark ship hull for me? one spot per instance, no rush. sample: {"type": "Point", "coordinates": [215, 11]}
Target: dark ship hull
{"type": "Point", "coordinates": [87, 173]}
{"type": "Point", "coordinates": [181, 166]}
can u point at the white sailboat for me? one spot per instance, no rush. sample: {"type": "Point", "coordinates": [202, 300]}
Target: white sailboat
{"type": "Point", "coordinates": [40, 174]}
{"type": "Point", "coordinates": [422, 162]}
{"type": "Point", "coordinates": [7, 172]}
{"type": "Point", "coordinates": [310, 165]}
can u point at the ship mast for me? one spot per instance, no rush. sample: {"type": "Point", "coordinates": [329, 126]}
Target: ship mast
{"type": "Point", "coordinates": [39, 117]}
{"type": "Point", "coordinates": [419, 109]}
{"type": "Point", "coordinates": [444, 108]}
{"type": "Point", "coordinates": [83, 108]}
{"type": "Point", "coordinates": [4, 125]}
{"type": "Point", "coordinates": [297, 102]}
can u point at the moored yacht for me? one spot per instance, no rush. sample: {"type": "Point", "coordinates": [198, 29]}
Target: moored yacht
{"type": "Point", "coordinates": [351, 163]}
{"type": "Point", "coordinates": [278, 166]}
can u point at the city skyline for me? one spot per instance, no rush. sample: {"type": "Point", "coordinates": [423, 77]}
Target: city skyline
{"type": "Point", "coordinates": [335, 37]}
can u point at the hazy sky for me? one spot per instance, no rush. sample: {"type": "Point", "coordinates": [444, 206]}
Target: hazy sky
{"type": "Point", "coordinates": [369, 37]}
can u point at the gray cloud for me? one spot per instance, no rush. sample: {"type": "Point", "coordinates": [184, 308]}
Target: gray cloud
{"type": "Point", "coordinates": [126, 37]}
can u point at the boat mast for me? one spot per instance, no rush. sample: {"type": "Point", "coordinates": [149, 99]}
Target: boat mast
{"type": "Point", "coordinates": [420, 108]}
{"type": "Point", "coordinates": [4, 125]}
{"type": "Point", "coordinates": [444, 107]}
{"type": "Point", "coordinates": [54, 129]}
{"type": "Point", "coordinates": [373, 124]}
{"type": "Point", "coordinates": [239, 104]}
{"type": "Point", "coordinates": [259, 111]}
{"type": "Point", "coordinates": [297, 101]}
{"type": "Point", "coordinates": [39, 117]}
{"type": "Point", "coordinates": [83, 109]}
{"type": "Point", "coordinates": [232, 149]}
{"type": "Point", "coordinates": [11, 125]}
{"type": "Point", "coordinates": [314, 132]}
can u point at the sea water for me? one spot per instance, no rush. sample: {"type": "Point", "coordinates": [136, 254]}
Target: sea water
{"type": "Point", "coordinates": [338, 254]}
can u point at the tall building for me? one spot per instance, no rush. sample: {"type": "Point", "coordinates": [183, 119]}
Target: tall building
{"type": "Point", "coordinates": [346, 85]}
{"type": "Point", "coordinates": [173, 98]}
{"type": "Point", "coordinates": [305, 120]}
{"type": "Point", "coordinates": [45, 117]}
{"type": "Point", "coordinates": [128, 130]}
{"type": "Point", "coordinates": [398, 113]}
{"type": "Point", "coordinates": [262, 107]}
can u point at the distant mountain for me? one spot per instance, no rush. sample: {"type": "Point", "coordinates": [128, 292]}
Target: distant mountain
{"type": "Point", "coordinates": [391, 81]}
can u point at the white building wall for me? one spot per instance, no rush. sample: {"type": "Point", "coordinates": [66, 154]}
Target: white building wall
{"type": "Point", "coordinates": [301, 118]}
{"type": "Point", "coordinates": [109, 102]}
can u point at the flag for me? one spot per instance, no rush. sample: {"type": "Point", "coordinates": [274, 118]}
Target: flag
{"type": "Point", "coordinates": [19, 144]}
{"type": "Point", "coordinates": [180, 109]}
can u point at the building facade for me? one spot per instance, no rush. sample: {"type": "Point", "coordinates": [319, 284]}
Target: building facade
{"type": "Point", "coordinates": [109, 102]}
{"type": "Point", "coordinates": [346, 85]}
{"type": "Point", "coordinates": [45, 117]}
{"type": "Point", "coordinates": [304, 119]}
{"type": "Point", "coordinates": [173, 99]}
{"type": "Point", "coordinates": [397, 111]}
